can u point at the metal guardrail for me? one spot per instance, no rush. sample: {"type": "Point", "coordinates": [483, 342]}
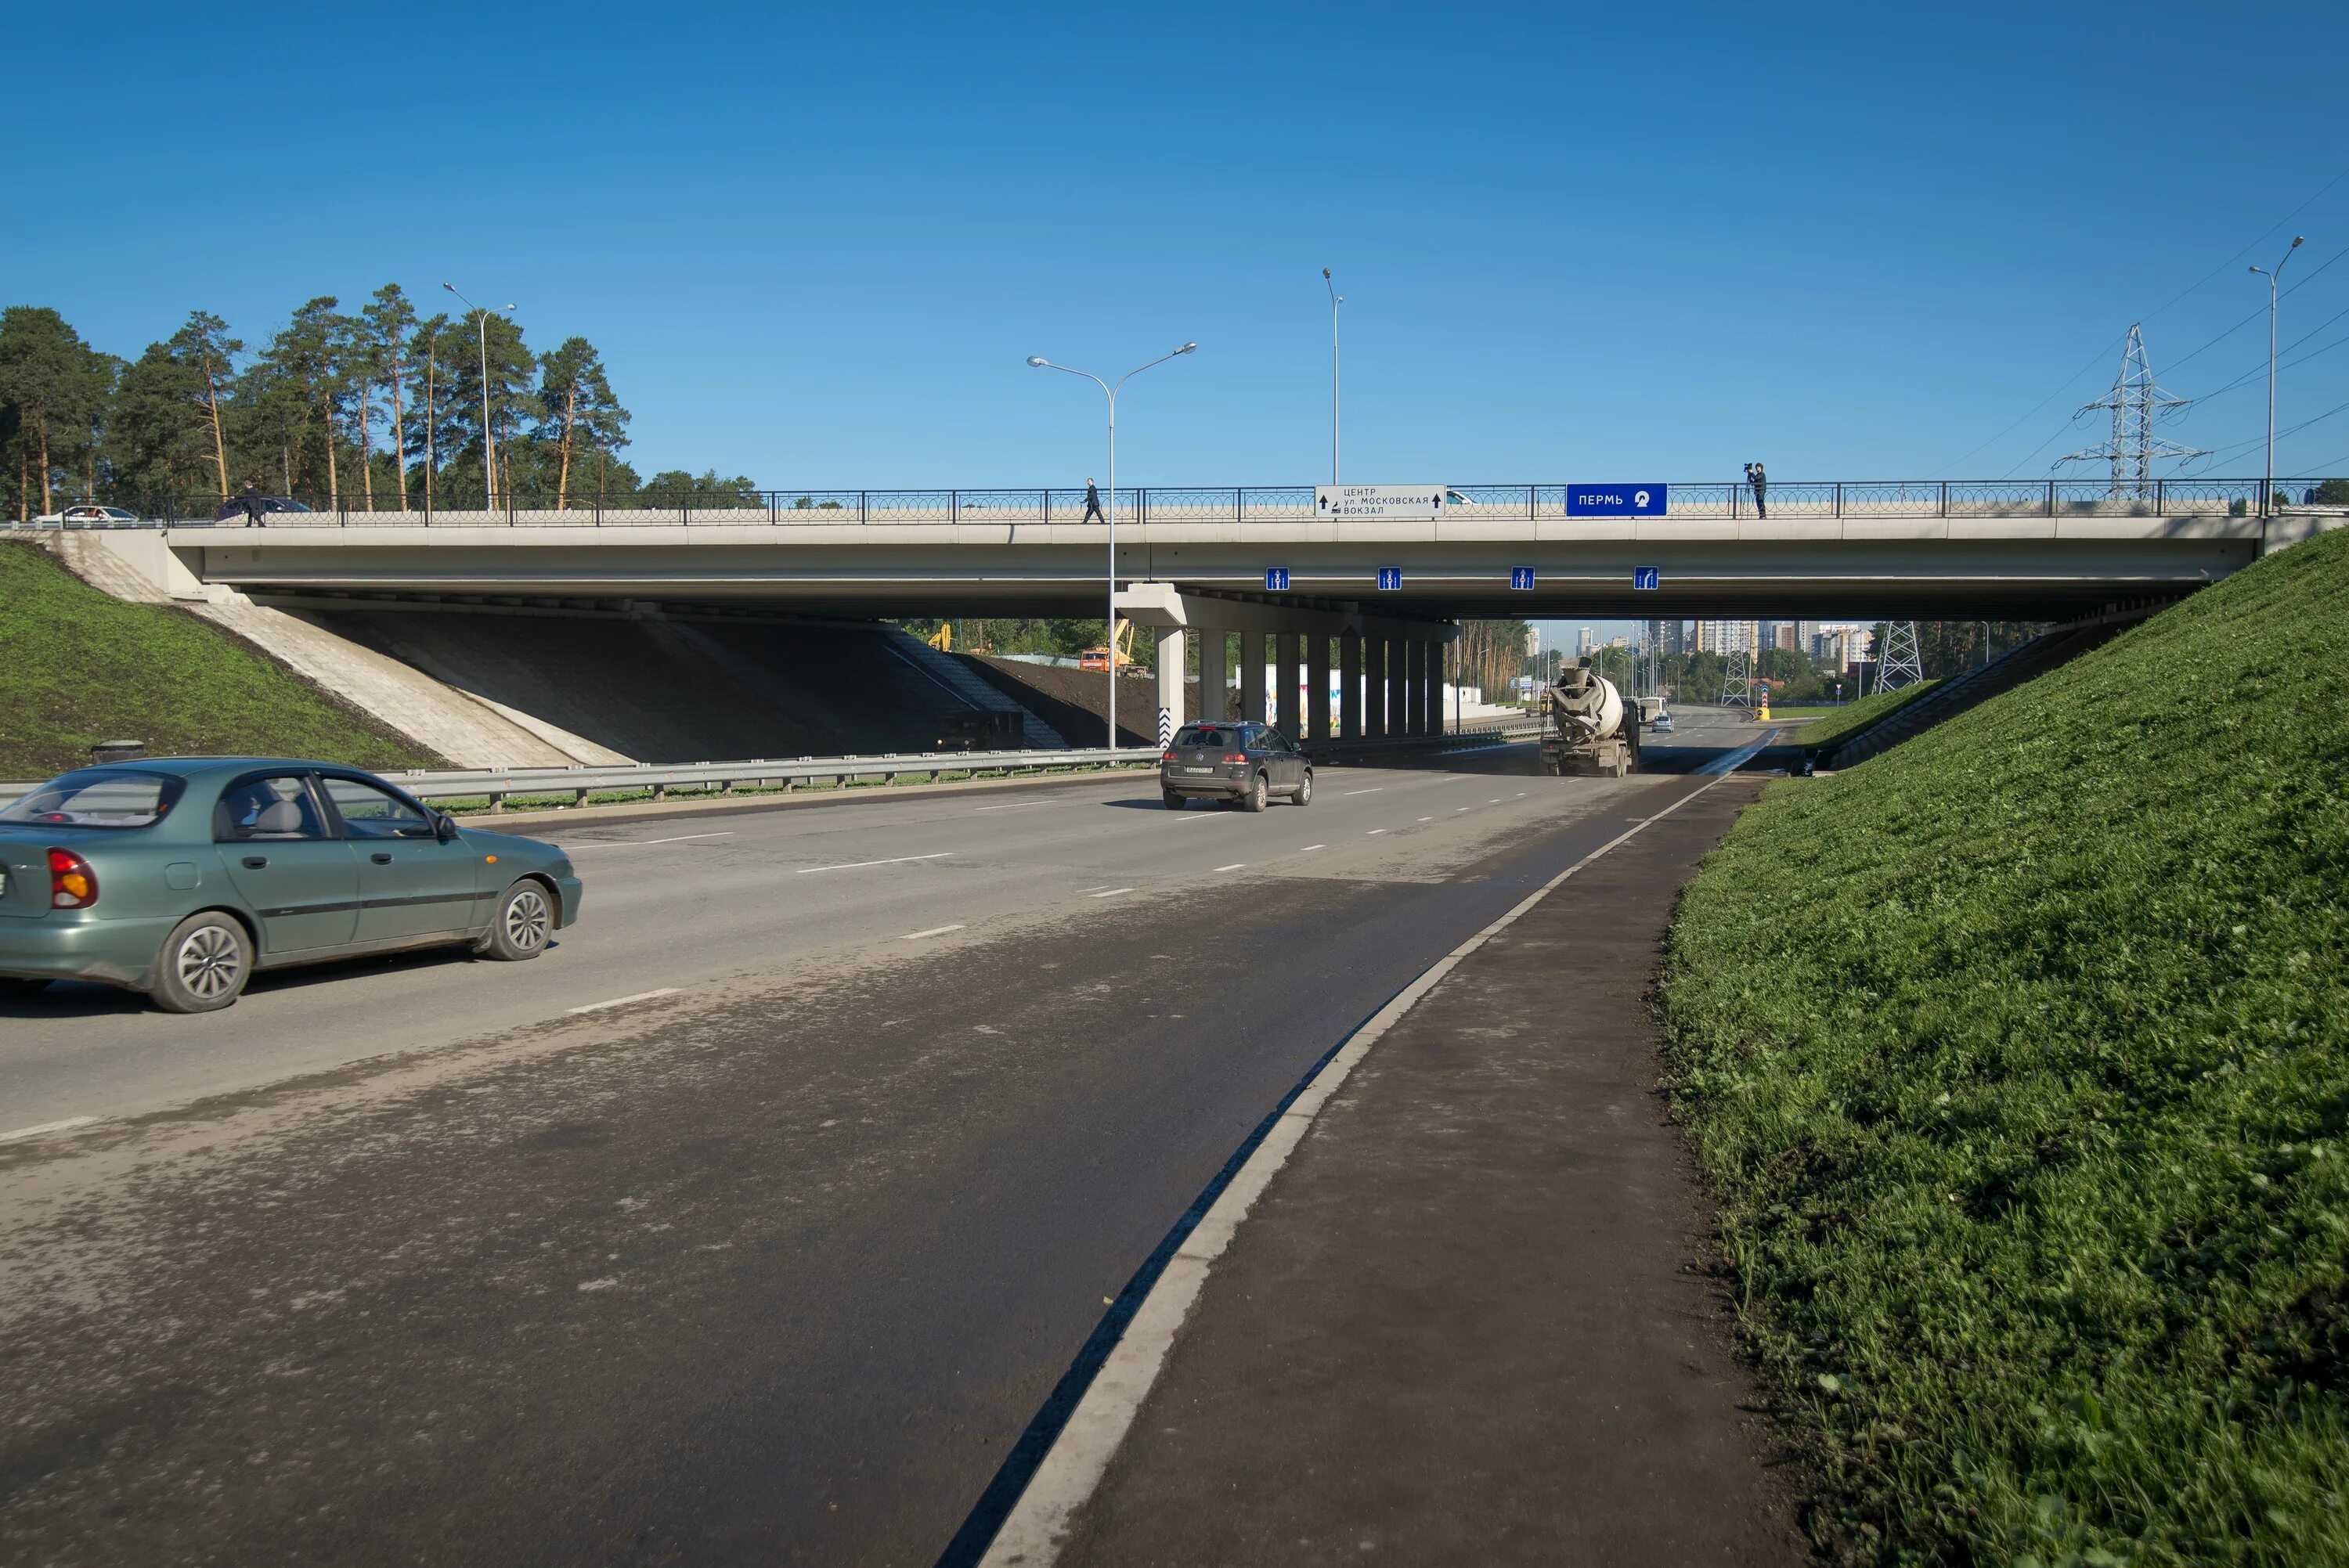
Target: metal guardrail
{"type": "Point", "coordinates": [1788, 499]}
{"type": "Point", "coordinates": [496, 785]}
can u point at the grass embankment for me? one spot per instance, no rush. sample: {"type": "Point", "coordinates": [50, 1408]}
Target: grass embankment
{"type": "Point", "coordinates": [1854, 716]}
{"type": "Point", "coordinates": [78, 666]}
{"type": "Point", "coordinates": [2019, 1060]}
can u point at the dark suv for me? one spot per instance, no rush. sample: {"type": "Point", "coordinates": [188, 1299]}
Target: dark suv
{"type": "Point", "coordinates": [1241, 763]}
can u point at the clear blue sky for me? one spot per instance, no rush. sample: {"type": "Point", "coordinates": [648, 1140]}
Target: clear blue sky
{"type": "Point", "coordinates": [1635, 242]}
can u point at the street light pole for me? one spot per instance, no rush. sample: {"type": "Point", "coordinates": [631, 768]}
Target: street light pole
{"type": "Point", "coordinates": [1336, 299]}
{"type": "Point", "coordinates": [488, 446]}
{"type": "Point", "coordinates": [2267, 491]}
{"type": "Point", "coordinates": [1111, 393]}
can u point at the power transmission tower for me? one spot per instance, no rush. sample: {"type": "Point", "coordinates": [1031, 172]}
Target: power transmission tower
{"type": "Point", "coordinates": [1737, 679]}
{"type": "Point", "coordinates": [1899, 661]}
{"type": "Point", "coordinates": [2137, 405]}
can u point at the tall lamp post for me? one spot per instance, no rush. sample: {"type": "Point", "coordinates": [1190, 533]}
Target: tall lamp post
{"type": "Point", "coordinates": [2267, 491]}
{"type": "Point", "coordinates": [1336, 299]}
{"type": "Point", "coordinates": [489, 447]}
{"type": "Point", "coordinates": [1111, 393]}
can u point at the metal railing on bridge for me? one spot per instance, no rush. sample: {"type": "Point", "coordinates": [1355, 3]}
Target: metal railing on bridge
{"type": "Point", "coordinates": [1729, 500]}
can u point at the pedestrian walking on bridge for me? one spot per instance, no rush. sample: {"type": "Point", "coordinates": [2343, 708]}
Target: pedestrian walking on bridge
{"type": "Point", "coordinates": [253, 510]}
{"type": "Point", "coordinates": [1760, 483]}
{"type": "Point", "coordinates": [1093, 503]}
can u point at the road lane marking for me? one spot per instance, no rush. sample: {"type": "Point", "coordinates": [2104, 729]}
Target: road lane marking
{"type": "Point", "coordinates": [1372, 790]}
{"type": "Point", "coordinates": [1374, 833]}
{"type": "Point", "coordinates": [1111, 891]}
{"type": "Point", "coordinates": [1095, 888]}
{"type": "Point", "coordinates": [1013, 806]}
{"type": "Point", "coordinates": [933, 931]}
{"type": "Point", "coordinates": [643, 843]}
{"type": "Point", "coordinates": [67, 1125]}
{"type": "Point", "coordinates": [1070, 1471]}
{"type": "Point", "coordinates": [1494, 802]}
{"type": "Point", "coordinates": [1463, 807]}
{"type": "Point", "coordinates": [1427, 818]}
{"type": "Point", "coordinates": [683, 837]}
{"type": "Point", "coordinates": [858, 865]}
{"type": "Point", "coordinates": [1310, 848]}
{"type": "Point", "coordinates": [624, 1001]}
{"type": "Point", "coordinates": [1235, 866]}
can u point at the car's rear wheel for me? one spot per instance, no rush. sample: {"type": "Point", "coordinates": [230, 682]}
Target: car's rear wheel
{"type": "Point", "coordinates": [1305, 789]}
{"type": "Point", "coordinates": [522, 924]}
{"type": "Point", "coordinates": [203, 965]}
{"type": "Point", "coordinates": [1174, 800]}
{"type": "Point", "coordinates": [1253, 799]}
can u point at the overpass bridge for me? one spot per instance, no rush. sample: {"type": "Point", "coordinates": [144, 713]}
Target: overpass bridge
{"type": "Point", "coordinates": [1294, 585]}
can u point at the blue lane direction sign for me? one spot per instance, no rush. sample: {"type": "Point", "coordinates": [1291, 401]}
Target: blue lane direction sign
{"type": "Point", "coordinates": [1389, 579]}
{"type": "Point", "coordinates": [1615, 500]}
{"type": "Point", "coordinates": [1644, 577]}
{"type": "Point", "coordinates": [1276, 579]}
{"type": "Point", "coordinates": [1521, 576]}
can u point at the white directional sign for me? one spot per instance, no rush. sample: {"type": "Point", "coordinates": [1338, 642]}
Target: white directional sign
{"type": "Point", "coordinates": [1384, 503]}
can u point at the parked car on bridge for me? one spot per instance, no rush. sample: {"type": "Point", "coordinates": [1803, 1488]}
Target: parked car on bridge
{"type": "Point", "coordinates": [88, 514]}
{"type": "Point", "coordinates": [181, 877]}
{"type": "Point", "coordinates": [234, 507]}
{"type": "Point", "coordinates": [1244, 763]}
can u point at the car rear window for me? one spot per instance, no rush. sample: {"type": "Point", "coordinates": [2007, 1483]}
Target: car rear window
{"type": "Point", "coordinates": [97, 798]}
{"type": "Point", "coordinates": [1209, 735]}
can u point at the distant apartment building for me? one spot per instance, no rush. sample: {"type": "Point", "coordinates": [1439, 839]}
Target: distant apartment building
{"type": "Point", "coordinates": [1728, 636]}
{"type": "Point", "coordinates": [1582, 643]}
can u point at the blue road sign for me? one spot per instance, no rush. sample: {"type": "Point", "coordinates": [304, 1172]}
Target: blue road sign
{"type": "Point", "coordinates": [1389, 579]}
{"type": "Point", "coordinates": [1615, 500]}
{"type": "Point", "coordinates": [1647, 577]}
{"type": "Point", "coordinates": [1276, 579]}
{"type": "Point", "coordinates": [1521, 576]}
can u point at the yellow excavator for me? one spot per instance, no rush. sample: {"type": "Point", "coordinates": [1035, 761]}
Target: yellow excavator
{"type": "Point", "coordinates": [1098, 658]}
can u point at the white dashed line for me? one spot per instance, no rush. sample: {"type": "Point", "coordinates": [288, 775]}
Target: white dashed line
{"type": "Point", "coordinates": [1235, 866]}
{"type": "Point", "coordinates": [1013, 806]}
{"type": "Point", "coordinates": [1372, 790]}
{"type": "Point", "coordinates": [1427, 818]}
{"type": "Point", "coordinates": [1494, 802]}
{"type": "Point", "coordinates": [1374, 833]}
{"type": "Point", "coordinates": [1111, 892]}
{"type": "Point", "coordinates": [683, 837]}
{"type": "Point", "coordinates": [624, 1001]}
{"type": "Point", "coordinates": [858, 865]}
{"type": "Point", "coordinates": [646, 843]}
{"type": "Point", "coordinates": [1463, 807]}
{"type": "Point", "coordinates": [67, 1125]}
{"type": "Point", "coordinates": [933, 931]}
{"type": "Point", "coordinates": [1310, 848]}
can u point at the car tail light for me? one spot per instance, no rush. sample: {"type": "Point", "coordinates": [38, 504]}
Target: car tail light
{"type": "Point", "coordinates": [1236, 756]}
{"type": "Point", "coordinates": [1165, 757]}
{"type": "Point", "coordinates": [72, 885]}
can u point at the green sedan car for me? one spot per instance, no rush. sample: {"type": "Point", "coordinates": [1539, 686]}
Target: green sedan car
{"type": "Point", "coordinates": [181, 876]}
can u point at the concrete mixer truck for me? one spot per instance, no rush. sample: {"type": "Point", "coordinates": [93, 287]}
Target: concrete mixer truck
{"type": "Point", "coordinates": [1589, 727]}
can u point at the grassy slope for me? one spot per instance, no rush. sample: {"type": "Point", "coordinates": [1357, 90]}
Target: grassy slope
{"type": "Point", "coordinates": [1857, 716]}
{"type": "Point", "coordinates": [2019, 1056]}
{"type": "Point", "coordinates": [77, 667]}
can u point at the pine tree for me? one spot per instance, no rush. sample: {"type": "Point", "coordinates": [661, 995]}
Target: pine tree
{"type": "Point", "coordinates": [576, 407]}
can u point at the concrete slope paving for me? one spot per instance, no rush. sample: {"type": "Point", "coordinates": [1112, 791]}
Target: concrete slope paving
{"type": "Point", "coordinates": [776, 1268]}
{"type": "Point", "coordinates": [1470, 1323]}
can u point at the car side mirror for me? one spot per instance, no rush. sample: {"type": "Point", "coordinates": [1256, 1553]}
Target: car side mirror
{"type": "Point", "coordinates": [444, 826]}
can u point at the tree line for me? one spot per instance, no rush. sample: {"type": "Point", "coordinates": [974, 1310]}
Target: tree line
{"type": "Point", "coordinates": [378, 409]}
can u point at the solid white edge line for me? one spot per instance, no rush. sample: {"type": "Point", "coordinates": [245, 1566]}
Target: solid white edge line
{"type": "Point", "coordinates": [68, 1124]}
{"type": "Point", "coordinates": [1070, 1471]}
{"type": "Point", "coordinates": [933, 931]}
{"type": "Point", "coordinates": [858, 865]}
{"type": "Point", "coordinates": [624, 1001]}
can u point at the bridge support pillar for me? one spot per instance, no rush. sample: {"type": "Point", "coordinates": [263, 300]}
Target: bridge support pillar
{"type": "Point", "coordinates": [1252, 676]}
{"type": "Point", "coordinates": [1374, 687]}
{"type": "Point", "coordinates": [1284, 691]}
{"type": "Point", "coordinates": [1398, 686]}
{"type": "Point", "coordinates": [1170, 684]}
{"type": "Point", "coordinates": [1430, 681]}
{"type": "Point", "coordinates": [1414, 688]}
{"type": "Point", "coordinates": [1213, 648]}
{"type": "Point", "coordinates": [1316, 686]}
{"type": "Point", "coordinates": [1349, 686]}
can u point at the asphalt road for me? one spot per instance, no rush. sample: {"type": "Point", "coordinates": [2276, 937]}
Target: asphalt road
{"type": "Point", "coordinates": [410, 1261]}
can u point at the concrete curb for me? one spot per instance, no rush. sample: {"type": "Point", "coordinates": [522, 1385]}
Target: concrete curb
{"type": "Point", "coordinates": [1034, 1531]}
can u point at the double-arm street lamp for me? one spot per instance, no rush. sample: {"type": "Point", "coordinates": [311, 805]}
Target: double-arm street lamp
{"type": "Point", "coordinates": [1111, 392]}
{"type": "Point", "coordinates": [2267, 491]}
{"type": "Point", "coordinates": [1336, 299]}
{"type": "Point", "coordinates": [489, 449]}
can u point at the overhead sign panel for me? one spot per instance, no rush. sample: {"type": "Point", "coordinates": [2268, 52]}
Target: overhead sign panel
{"type": "Point", "coordinates": [1383, 503]}
{"type": "Point", "coordinates": [1646, 577]}
{"type": "Point", "coordinates": [1615, 500]}
{"type": "Point", "coordinates": [1521, 577]}
{"type": "Point", "coordinates": [1276, 579]}
{"type": "Point", "coordinates": [1389, 579]}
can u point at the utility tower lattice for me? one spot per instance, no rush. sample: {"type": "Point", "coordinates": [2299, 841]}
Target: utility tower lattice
{"type": "Point", "coordinates": [1737, 679]}
{"type": "Point", "coordinates": [1899, 661]}
{"type": "Point", "coordinates": [2137, 405]}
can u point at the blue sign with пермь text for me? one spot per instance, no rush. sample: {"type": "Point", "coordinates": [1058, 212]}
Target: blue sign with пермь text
{"type": "Point", "coordinates": [1615, 500]}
